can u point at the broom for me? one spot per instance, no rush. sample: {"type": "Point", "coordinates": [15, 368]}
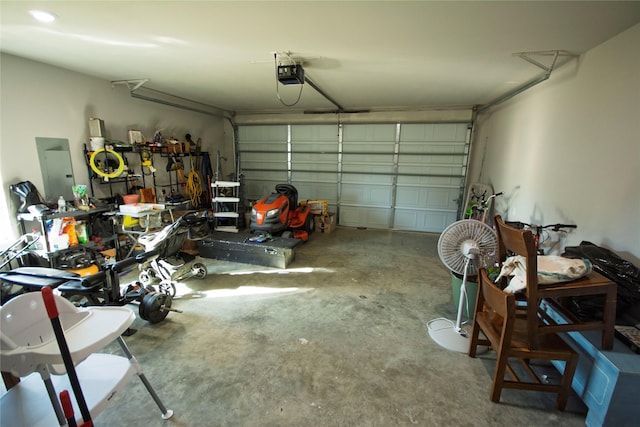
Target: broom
{"type": "Point", "coordinates": [52, 312]}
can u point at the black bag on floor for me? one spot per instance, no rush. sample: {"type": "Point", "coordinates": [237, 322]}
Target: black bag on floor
{"type": "Point", "coordinates": [606, 262]}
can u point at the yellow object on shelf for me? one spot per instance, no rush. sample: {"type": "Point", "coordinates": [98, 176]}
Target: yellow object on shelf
{"type": "Point", "coordinates": [318, 207]}
{"type": "Point", "coordinates": [103, 171]}
{"type": "Point", "coordinates": [129, 221]}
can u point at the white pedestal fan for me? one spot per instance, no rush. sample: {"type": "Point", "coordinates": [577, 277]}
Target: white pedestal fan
{"type": "Point", "coordinates": [459, 245]}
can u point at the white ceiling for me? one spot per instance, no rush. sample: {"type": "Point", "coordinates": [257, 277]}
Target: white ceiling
{"type": "Point", "coordinates": [363, 54]}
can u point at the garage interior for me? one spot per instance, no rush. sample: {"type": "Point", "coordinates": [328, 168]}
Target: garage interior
{"type": "Point", "coordinates": [390, 112]}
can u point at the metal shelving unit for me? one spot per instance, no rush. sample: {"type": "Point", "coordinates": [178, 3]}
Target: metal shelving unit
{"type": "Point", "coordinates": [226, 205]}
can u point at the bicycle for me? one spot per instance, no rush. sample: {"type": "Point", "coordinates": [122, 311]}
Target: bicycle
{"type": "Point", "coordinates": [541, 234]}
{"type": "Point", "coordinates": [479, 206]}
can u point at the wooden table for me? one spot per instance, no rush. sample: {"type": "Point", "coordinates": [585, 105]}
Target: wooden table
{"type": "Point", "coordinates": [593, 284]}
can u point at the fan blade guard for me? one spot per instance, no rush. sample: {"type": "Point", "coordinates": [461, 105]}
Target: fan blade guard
{"type": "Point", "coordinates": [462, 239]}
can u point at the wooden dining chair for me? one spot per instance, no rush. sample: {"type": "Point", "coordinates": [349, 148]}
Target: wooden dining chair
{"type": "Point", "coordinates": [513, 241]}
{"type": "Point", "coordinates": [495, 316]}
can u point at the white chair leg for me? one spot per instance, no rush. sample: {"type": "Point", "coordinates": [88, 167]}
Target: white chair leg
{"type": "Point", "coordinates": [51, 391]}
{"type": "Point", "coordinates": [166, 413]}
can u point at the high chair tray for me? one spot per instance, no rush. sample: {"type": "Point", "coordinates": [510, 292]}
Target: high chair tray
{"type": "Point", "coordinates": [28, 343]}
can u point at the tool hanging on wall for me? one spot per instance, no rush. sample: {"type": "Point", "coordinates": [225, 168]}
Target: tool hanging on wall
{"type": "Point", "coordinates": [107, 163]}
{"type": "Point", "coordinates": [146, 161]}
{"type": "Point", "coordinates": [194, 185]}
{"type": "Point", "coordinates": [174, 164]}
{"type": "Point", "coordinates": [207, 174]}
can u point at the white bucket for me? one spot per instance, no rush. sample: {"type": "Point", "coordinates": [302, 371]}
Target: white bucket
{"type": "Point", "coordinates": [97, 142]}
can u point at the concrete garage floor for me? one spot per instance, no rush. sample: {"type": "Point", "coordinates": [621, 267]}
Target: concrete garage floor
{"type": "Point", "coordinates": [338, 339]}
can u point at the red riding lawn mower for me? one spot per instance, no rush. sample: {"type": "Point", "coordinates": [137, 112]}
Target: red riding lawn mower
{"type": "Point", "coordinates": [280, 213]}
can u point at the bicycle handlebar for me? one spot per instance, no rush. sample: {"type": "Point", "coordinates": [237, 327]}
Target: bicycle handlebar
{"type": "Point", "coordinates": [557, 227]}
{"type": "Point", "coordinates": [554, 227]}
{"type": "Point", "coordinates": [485, 203]}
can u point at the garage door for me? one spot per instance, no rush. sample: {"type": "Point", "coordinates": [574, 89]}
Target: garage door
{"type": "Point", "coordinates": [398, 176]}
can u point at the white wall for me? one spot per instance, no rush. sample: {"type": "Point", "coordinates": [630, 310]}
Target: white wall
{"type": "Point", "coordinates": [39, 100]}
{"type": "Point", "coordinates": [568, 150]}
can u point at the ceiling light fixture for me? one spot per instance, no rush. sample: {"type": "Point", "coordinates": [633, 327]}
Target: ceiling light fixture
{"type": "Point", "coordinates": [42, 16]}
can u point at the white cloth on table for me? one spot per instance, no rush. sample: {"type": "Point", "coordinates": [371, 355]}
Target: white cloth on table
{"type": "Point", "coordinates": [551, 269]}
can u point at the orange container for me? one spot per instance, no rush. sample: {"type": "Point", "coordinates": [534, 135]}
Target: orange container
{"type": "Point", "coordinates": [130, 199]}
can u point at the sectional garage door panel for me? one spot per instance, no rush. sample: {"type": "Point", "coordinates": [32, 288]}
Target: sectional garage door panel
{"type": "Point", "coordinates": [363, 195]}
{"type": "Point", "coordinates": [430, 221]}
{"type": "Point", "coordinates": [314, 162]}
{"type": "Point", "coordinates": [263, 158]}
{"type": "Point", "coordinates": [371, 217]}
{"type": "Point", "coordinates": [431, 169]}
{"type": "Point", "coordinates": [399, 176]}
{"type": "Point", "coordinates": [435, 198]}
{"type": "Point", "coordinates": [434, 132]}
{"type": "Point", "coordinates": [368, 175]}
{"type": "Point", "coordinates": [425, 208]}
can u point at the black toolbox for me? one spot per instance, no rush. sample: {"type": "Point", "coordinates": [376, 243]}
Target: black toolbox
{"type": "Point", "coordinates": [276, 252]}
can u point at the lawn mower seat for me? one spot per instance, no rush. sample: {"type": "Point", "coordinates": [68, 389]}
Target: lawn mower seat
{"type": "Point", "coordinates": [290, 192]}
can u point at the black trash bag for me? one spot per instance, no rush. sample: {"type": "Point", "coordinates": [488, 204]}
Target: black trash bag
{"type": "Point", "coordinates": [606, 262]}
{"type": "Point", "coordinates": [74, 259]}
{"type": "Point", "coordinates": [101, 227]}
{"type": "Point", "coordinates": [28, 195]}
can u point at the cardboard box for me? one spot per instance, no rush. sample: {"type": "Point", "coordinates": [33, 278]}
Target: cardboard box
{"type": "Point", "coordinates": [325, 224]}
{"type": "Point", "coordinates": [171, 148]}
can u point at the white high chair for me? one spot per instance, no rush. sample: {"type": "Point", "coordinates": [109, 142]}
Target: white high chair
{"type": "Point", "coordinates": [28, 347]}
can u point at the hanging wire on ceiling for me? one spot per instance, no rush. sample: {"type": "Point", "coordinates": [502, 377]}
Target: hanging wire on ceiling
{"type": "Point", "coordinates": [275, 60]}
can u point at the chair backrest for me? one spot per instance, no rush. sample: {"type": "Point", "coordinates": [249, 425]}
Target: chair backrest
{"type": "Point", "coordinates": [26, 323]}
{"type": "Point", "coordinates": [519, 242]}
{"type": "Point", "coordinates": [29, 341]}
{"type": "Point", "coordinates": [291, 192]}
{"type": "Point", "coordinates": [26, 329]}
{"type": "Point", "coordinates": [522, 242]}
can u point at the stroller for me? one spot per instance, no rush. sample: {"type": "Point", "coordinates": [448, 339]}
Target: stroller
{"type": "Point", "coordinates": [12, 257]}
{"type": "Point", "coordinates": [170, 264]}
